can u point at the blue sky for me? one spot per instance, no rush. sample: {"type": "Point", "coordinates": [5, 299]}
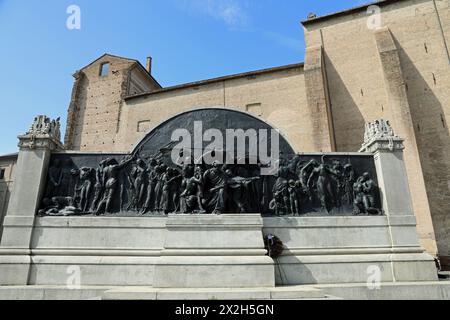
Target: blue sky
{"type": "Point", "coordinates": [189, 40]}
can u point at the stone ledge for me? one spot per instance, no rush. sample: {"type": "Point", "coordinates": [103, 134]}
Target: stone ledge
{"type": "Point", "coordinates": [434, 290]}
{"type": "Point", "coordinates": [101, 222]}
{"type": "Point", "coordinates": [351, 250]}
{"type": "Point", "coordinates": [18, 221]}
{"type": "Point", "coordinates": [92, 260]}
{"type": "Point", "coordinates": [118, 252]}
{"type": "Point", "coordinates": [323, 222]}
{"type": "Point", "coordinates": [355, 258]}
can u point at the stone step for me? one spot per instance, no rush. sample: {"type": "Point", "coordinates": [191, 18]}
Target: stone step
{"type": "Point", "coordinates": [278, 293]}
{"type": "Point", "coordinates": [435, 290]}
{"type": "Point", "coordinates": [51, 292]}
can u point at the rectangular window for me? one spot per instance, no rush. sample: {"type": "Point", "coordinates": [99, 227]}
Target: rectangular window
{"type": "Point", "coordinates": [254, 109]}
{"type": "Point", "coordinates": [104, 69]}
{"type": "Point", "coordinates": [144, 126]}
{"type": "Point", "coordinates": [2, 174]}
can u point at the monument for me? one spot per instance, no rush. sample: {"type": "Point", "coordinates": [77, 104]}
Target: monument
{"type": "Point", "coordinates": [198, 227]}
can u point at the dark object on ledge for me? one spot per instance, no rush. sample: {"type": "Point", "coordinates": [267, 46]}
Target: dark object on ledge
{"type": "Point", "coordinates": [273, 245]}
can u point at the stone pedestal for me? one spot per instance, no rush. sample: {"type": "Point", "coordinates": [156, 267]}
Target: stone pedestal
{"type": "Point", "coordinates": [387, 149]}
{"type": "Point", "coordinates": [209, 251]}
{"type": "Point", "coordinates": [32, 164]}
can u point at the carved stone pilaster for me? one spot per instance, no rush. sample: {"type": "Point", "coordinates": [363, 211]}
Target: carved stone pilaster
{"type": "Point", "coordinates": [379, 136]}
{"type": "Point", "coordinates": [36, 147]}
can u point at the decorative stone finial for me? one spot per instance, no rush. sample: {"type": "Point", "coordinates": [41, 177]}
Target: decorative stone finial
{"type": "Point", "coordinates": [43, 128]}
{"type": "Point", "coordinates": [311, 16]}
{"type": "Point", "coordinates": [379, 135]}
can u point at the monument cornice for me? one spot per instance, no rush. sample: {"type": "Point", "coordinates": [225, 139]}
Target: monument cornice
{"type": "Point", "coordinates": [32, 142]}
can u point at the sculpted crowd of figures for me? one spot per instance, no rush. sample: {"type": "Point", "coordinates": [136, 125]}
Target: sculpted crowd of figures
{"type": "Point", "coordinates": [148, 186]}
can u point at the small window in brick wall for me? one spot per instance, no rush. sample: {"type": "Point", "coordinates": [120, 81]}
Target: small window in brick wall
{"type": "Point", "coordinates": [2, 174]}
{"type": "Point", "coordinates": [104, 69]}
{"type": "Point", "coordinates": [254, 109]}
{"type": "Point", "coordinates": [144, 126]}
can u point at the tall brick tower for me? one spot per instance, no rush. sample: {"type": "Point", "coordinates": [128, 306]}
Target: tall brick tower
{"type": "Point", "coordinates": [97, 96]}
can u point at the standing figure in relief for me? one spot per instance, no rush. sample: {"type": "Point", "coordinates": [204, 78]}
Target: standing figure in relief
{"type": "Point", "coordinates": [99, 186]}
{"type": "Point", "coordinates": [54, 179]}
{"type": "Point", "coordinates": [169, 189]}
{"type": "Point", "coordinates": [160, 172]}
{"type": "Point", "coordinates": [280, 202]}
{"type": "Point", "coordinates": [151, 185]}
{"type": "Point", "coordinates": [215, 185]}
{"type": "Point", "coordinates": [322, 175]}
{"type": "Point", "coordinates": [349, 181]}
{"type": "Point", "coordinates": [293, 198]}
{"type": "Point", "coordinates": [139, 177]}
{"type": "Point", "coordinates": [83, 187]}
{"type": "Point", "coordinates": [67, 185]}
{"type": "Point", "coordinates": [110, 175]}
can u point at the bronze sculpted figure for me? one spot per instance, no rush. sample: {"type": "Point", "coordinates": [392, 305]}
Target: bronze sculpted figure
{"type": "Point", "coordinates": [191, 195]}
{"type": "Point", "coordinates": [83, 187]}
{"type": "Point", "coordinates": [151, 187]}
{"type": "Point", "coordinates": [110, 174]}
{"type": "Point", "coordinates": [140, 176]}
{"type": "Point", "coordinates": [215, 187]}
{"type": "Point", "coordinates": [365, 201]}
{"type": "Point", "coordinates": [54, 178]}
{"type": "Point", "coordinates": [99, 186]}
{"type": "Point", "coordinates": [321, 176]}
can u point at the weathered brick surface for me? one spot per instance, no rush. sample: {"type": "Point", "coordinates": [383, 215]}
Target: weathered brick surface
{"type": "Point", "coordinates": [96, 108]}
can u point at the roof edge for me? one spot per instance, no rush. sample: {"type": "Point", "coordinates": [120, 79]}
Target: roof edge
{"type": "Point", "coordinates": [9, 156]}
{"type": "Point", "coordinates": [353, 10]}
{"type": "Point", "coordinates": [124, 58]}
{"type": "Point", "coordinates": [218, 79]}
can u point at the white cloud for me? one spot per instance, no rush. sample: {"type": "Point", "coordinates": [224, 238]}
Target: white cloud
{"type": "Point", "coordinates": [230, 12]}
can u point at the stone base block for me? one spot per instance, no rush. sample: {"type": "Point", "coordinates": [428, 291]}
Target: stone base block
{"type": "Point", "coordinates": [359, 268]}
{"type": "Point", "coordinates": [328, 250]}
{"type": "Point", "coordinates": [214, 272]}
{"type": "Point", "coordinates": [212, 251]}
{"type": "Point", "coordinates": [14, 269]}
{"type": "Point", "coordinates": [93, 271]}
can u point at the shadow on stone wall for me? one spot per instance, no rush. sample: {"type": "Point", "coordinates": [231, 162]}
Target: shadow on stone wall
{"type": "Point", "coordinates": [348, 120]}
{"type": "Point", "coordinates": [433, 140]}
